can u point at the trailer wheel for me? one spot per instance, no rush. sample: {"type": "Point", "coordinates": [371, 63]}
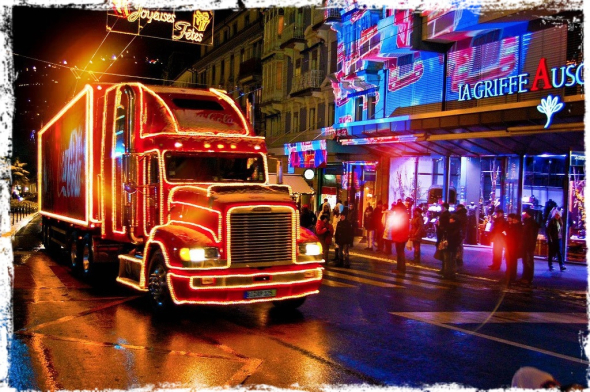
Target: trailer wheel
{"type": "Point", "coordinates": [86, 259]}
{"type": "Point", "coordinates": [159, 292]}
{"type": "Point", "coordinates": [292, 303]}
{"type": "Point", "coordinates": [74, 252]}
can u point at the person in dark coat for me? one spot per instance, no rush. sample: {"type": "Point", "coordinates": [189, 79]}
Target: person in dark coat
{"type": "Point", "coordinates": [344, 238]}
{"type": "Point", "coordinates": [417, 232]}
{"type": "Point", "coordinates": [530, 231]}
{"type": "Point", "coordinates": [453, 237]}
{"type": "Point", "coordinates": [513, 247]}
{"type": "Point", "coordinates": [498, 235]}
{"type": "Point", "coordinates": [442, 222]}
{"type": "Point", "coordinates": [324, 230]}
{"type": "Point", "coordinates": [307, 218]}
{"type": "Point", "coordinates": [400, 232]}
{"type": "Point", "coordinates": [378, 224]}
{"type": "Point", "coordinates": [461, 214]}
{"type": "Point", "coordinates": [368, 224]}
{"type": "Point", "coordinates": [554, 236]}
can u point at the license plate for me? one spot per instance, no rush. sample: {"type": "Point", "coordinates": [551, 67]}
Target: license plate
{"type": "Point", "coordinates": [260, 294]}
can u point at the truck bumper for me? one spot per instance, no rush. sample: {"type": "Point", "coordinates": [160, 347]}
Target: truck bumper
{"type": "Point", "coordinates": [244, 285]}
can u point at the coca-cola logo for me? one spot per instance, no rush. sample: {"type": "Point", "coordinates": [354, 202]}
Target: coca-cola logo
{"type": "Point", "coordinates": [219, 117]}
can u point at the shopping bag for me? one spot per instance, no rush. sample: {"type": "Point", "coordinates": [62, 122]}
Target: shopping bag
{"type": "Point", "coordinates": [409, 245]}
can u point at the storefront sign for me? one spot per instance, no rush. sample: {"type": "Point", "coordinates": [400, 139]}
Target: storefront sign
{"type": "Point", "coordinates": [557, 77]}
{"type": "Point", "coordinates": [160, 24]}
{"type": "Point", "coordinates": [311, 154]}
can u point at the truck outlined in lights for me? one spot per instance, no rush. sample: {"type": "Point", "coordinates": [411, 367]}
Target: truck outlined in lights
{"type": "Point", "coordinates": [172, 184]}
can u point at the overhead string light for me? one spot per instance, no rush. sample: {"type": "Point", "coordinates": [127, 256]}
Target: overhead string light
{"type": "Point", "coordinates": [76, 70]}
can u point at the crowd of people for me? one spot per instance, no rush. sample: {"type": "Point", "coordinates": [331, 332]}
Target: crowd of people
{"type": "Point", "coordinates": [391, 231]}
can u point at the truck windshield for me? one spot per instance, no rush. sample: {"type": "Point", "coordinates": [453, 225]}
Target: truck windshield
{"type": "Point", "coordinates": [214, 168]}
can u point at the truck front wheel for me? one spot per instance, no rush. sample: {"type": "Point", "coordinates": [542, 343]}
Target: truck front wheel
{"type": "Point", "coordinates": [159, 292]}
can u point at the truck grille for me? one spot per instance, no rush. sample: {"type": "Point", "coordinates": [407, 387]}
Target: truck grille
{"type": "Point", "coordinates": [261, 237]}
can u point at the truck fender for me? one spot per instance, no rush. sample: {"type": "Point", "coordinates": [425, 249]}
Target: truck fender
{"type": "Point", "coordinates": [169, 239]}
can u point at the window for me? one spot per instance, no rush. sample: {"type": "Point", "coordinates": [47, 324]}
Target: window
{"type": "Point", "coordinates": [312, 121]}
{"type": "Point", "coordinates": [371, 107]}
{"type": "Point", "coordinates": [211, 168]}
{"type": "Point", "coordinates": [279, 75]}
{"type": "Point", "coordinates": [222, 71]}
{"type": "Point", "coordinates": [296, 122]}
{"type": "Point", "coordinates": [358, 109]}
{"type": "Point", "coordinates": [242, 55]}
{"type": "Point", "coordinates": [247, 20]}
{"type": "Point", "coordinates": [281, 25]}
{"type": "Point", "coordinates": [314, 60]}
{"type": "Point", "coordinates": [331, 113]}
{"type": "Point", "coordinates": [235, 28]}
{"type": "Point", "coordinates": [225, 35]}
{"type": "Point", "coordinates": [213, 74]}
{"type": "Point", "coordinates": [231, 66]}
{"type": "Point", "coordinates": [297, 71]}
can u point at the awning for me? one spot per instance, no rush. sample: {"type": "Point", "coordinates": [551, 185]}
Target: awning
{"type": "Point", "coordinates": [295, 181]}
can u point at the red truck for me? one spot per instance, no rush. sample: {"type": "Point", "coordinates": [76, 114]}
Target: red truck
{"type": "Point", "coordinates": [172, 184]}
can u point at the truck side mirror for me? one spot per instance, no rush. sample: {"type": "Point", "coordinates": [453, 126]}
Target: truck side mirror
{"type": "Point", "coordinates": [130, 187]}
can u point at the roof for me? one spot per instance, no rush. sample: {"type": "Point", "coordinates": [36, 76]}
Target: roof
{"type": "Point", "coordinates": [295, 181]}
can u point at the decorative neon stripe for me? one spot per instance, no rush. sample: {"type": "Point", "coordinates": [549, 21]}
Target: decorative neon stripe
{"type": "Point", "coordinates": [233, 105]}
{"type": "Point", "coordinates": [274, 208]}
{"type": "Point", "coordinates": [86, 92]}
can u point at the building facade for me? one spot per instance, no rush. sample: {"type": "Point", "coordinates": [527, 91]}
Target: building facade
{"type": "Point", "coordinates": [484, 109]}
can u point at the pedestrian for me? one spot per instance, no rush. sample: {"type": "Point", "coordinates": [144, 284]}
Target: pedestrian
{"type": "Point", "coordinates": [326, 211]}
{"type": "Point", "coordinates": [334, 222]}
{"type": "Point", "coordinates": [369, 228]}
{"type": "Point", "coordinates": [344, 237]}
{"type": "Point", "coordinates": [442, 222]}
{"type": "Point", "coordinates": [307, 218]}
{"type": "Point", "coordinates": [461, 214]}
{"type": "Point", "coordinates": [417, 232]}
{"type": "Point", "coordinates": [325, 203]}
{"type": "Point", "coordinates": [378, 225]}
{"type": "Point", "coordinates": [530, 231]}
{"type": "Point", "coordinates": [324, 231]}
{"type": "Point", "coordinates": [513, 247]}
{"type": "Point", "coordinates": [554, 236]}
{"type": "Point", "coordinates": [400, 233]}
{"type": "Point", "coordinates": [387, 222]}
{"type": "Point", "coordinates": [339, 207]}
{"type": "Point", "coordinates": [453, 236]}
{"type": "Point", "coordinates": [498, 235]}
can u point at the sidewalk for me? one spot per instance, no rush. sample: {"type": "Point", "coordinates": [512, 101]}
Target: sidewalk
{"type": "Point", "coordinates": [19, 225]}
{"type": "Point", "coordinates": [477, 258]}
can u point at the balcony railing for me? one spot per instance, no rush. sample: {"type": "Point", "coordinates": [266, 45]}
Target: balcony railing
{"type": "Point", "coordinates": [293, 31]}
{"type": "Point", "coordinates": [332, 14]}
{"type": "Point", "coordinates": [310, 79]}
{"type": "Point", "coordinates": [272, 95]}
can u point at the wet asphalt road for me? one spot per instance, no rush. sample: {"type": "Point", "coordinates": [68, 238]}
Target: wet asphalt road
{"type": "Point", "coordinates": [368, 325]}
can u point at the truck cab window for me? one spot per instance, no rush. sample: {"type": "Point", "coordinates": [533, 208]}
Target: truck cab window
{"type": "Point", "coordinates": [203, 168]}
{"type": "Point", "coordinates": [119, 132]}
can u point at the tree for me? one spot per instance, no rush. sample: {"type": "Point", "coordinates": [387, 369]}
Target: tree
{"type": "Point", "coordinates": [19, 174]}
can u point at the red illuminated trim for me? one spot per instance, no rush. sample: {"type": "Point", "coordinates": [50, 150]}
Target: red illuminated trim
{"type": "Point", "coordinates": [87, 92]}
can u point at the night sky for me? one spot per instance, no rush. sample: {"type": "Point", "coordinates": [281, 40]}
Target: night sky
{"type": "Point", "coordinates": [49, 42]}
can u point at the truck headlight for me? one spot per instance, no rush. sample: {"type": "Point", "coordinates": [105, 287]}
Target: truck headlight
{"type": "Point", "coordinates": [310, 249]}
{"type": "Point", "coordinates": [198, 254]}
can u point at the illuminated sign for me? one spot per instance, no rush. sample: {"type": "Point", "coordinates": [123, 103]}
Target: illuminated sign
{"type": "Point", "coordinates": [567, 76]}
{"type": "Point", "coordinates": [549, 106]}
{"type": "Point", "coordinates": [169, 25]}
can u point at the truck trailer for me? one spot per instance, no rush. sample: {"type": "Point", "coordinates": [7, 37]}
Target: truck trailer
{"type": "Point", "coordinates": [172, 184]}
